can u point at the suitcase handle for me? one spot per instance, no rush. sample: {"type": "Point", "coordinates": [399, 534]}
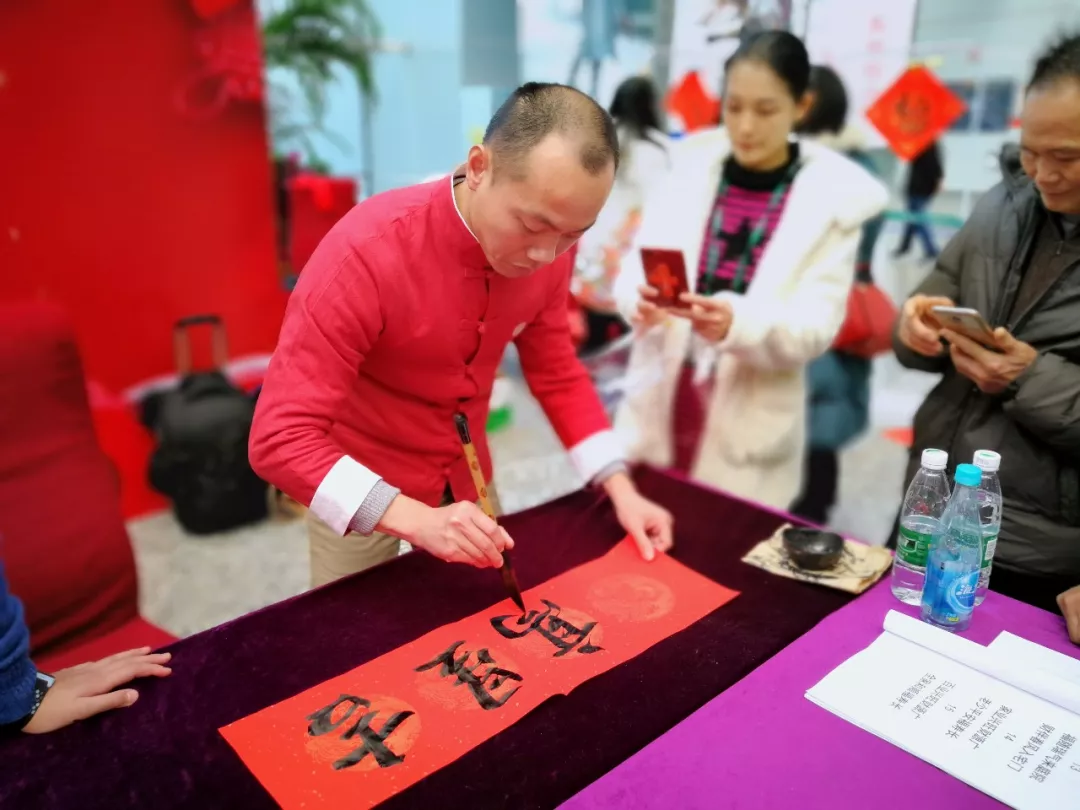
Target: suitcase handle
{"type": "Point", "coordinates": [199, 320]}
{"type": "Point", "coordinates": [182, 346]}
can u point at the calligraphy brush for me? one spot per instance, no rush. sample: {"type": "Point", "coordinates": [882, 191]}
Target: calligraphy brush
{"type": "Point", "coordinates": [508, 577]}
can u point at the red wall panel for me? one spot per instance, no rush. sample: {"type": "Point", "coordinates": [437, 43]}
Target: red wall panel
{"type": "Point", "coordinates": [115, 204]}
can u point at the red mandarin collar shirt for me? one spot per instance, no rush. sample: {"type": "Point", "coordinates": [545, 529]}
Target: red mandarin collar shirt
{"type": "Point", "coordinates": [396, 323]}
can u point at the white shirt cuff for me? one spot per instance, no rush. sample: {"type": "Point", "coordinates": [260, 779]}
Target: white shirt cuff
{"type": "Point", "coordinates": [593, 454]}
{"type": "Point", "coordinates": [342, 492]}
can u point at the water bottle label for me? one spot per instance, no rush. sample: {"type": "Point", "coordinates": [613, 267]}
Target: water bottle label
{"type": "Point", "coordinates": [988, 554]}
{"type": "Point", "coordinates": [949, 596]}
{"type": "Point", "coordinates": [960, 596]}
{"type": "Point", "coordinates": [911, 547]}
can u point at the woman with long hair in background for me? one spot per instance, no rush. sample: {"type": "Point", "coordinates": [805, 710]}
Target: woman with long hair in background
{"type": "Point", "coordinates": [768, 226]}
{"type": "Point", "coordinates": [645, 161]}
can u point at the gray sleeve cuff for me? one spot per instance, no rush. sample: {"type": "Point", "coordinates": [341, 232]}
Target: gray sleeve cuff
{"type": "Point", "coordinates": [608, 471]}
{"type": "Point", "coordinates": [373, 508]}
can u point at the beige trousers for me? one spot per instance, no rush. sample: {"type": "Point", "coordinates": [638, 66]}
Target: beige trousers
{"type": "Point", "coordinates": [334, 556]}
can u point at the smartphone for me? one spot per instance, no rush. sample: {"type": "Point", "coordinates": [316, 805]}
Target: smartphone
{"type": "Point", "coordinates": [665, 272]}
{"type": "Point", "coordinates": [965, 321]}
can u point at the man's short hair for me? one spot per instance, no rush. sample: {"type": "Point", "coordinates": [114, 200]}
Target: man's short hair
{"type": "Point", "coordinates": [538, 109]}
{"type": "Point", "coordinates": [1060, 61]}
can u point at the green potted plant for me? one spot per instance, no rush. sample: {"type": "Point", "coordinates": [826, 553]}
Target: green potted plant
{"type": "Point", "coordinates": [303, 42]}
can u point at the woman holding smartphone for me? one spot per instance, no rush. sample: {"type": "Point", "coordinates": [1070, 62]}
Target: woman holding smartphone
{"type": "Point", "coordinates": [768, 226]}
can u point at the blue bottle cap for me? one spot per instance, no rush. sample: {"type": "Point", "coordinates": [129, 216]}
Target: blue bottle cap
{"type": "Point", "coordinates": [968, 475]}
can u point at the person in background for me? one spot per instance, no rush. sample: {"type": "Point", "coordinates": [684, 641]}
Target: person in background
{"type": "Point", "coordinates": [1016, 261]}
{"type": "Point", "coordinates": [723, 28]}
{"type": "Point", "coordinates": [644, 160]}
{"type": "Point", "coordinates": [600, 23]}
{"type": "Point", "coordinates": [400, 320]}
{"type": "Point", "coordinates": [35, 702]}
{"type": "Point", "coordinates": [768, 227]}
{"type": "Point", "coordinates": [839, 382]}
{"type": "Point", "coordinates": [725, 19]}
{"type": "Point", "coordinates": [924, 181]}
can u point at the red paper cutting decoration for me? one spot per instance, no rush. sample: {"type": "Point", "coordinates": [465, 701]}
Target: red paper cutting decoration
{"type": "Point", "coordinates": [211, 8]}
{"type": "Point", "coordinates": [693, 103]}
{"type": "Point", "coordinates": [914, 111]}
{"type": "Point", "coordinates": [230, 69]}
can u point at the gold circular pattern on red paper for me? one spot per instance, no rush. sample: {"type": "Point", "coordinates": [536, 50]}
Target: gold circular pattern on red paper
{"type": "Point", "coordinates": [451, 693]}
{"type": "Point", "coordinates": [327, 749]}
{"type": "Point", "coordinates": [631, 598]}
{"type": "Point", "coordinates": [536, 645]}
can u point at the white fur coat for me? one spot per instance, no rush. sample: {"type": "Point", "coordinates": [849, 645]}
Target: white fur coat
{"type": "Point", "coordinates": [754, 436]}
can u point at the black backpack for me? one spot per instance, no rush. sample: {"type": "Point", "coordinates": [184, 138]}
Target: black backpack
{"type": "Point", "coordinates": [202, 426]}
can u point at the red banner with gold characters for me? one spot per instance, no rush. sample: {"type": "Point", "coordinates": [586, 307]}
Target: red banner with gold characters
{"type": "Point", "coordinates": [359, 738]}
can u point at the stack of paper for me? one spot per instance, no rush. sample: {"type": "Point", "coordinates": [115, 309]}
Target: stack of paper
{"type": "Point", "coordinates": [1007, 647]}
{"type": "Point", "coordinates": [1005, 719]}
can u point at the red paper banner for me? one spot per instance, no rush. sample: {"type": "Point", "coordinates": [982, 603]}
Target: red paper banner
{"type": "Point", "coordinates": [359, 738]}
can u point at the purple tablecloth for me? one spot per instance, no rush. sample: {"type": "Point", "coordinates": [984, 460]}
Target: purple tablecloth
{"type": "Point", "coordinates": [762, 745]}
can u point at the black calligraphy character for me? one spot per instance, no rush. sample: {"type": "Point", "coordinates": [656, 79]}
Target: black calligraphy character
{"type": "Point", "coordinates": [551, 626]}
{"type": "Point", "coordinates": [483, 684]}
{"type": "Point", "coordinates": [372, 742]}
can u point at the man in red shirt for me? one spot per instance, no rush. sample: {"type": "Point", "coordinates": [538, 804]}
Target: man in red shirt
{"type": "Point", "coordinates": [400, 319]}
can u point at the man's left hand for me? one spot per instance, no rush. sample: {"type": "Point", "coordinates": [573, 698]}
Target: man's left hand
{"type": "Point", "coordinates": [648, 523]}
{"type": "Point", "coordinates": [992, 371]}
{"type": "Point", "coordinates": [1069, 602]}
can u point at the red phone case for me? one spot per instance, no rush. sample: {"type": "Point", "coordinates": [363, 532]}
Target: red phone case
{"type": "Point", "coordinates": [665, 271]}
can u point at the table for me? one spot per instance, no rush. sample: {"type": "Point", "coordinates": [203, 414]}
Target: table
{"type": "Point", "coordinates": [763, 745]}
{"type": "Point", "coordinates": [165, 751]}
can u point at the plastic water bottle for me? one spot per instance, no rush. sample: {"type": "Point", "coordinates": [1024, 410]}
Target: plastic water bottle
{"type": "Point", "coordinates": [990, 506]}
{"type": "Point", "coordinates": [924, 504]}
{"type": "Point", "coordinates": [955, 559]}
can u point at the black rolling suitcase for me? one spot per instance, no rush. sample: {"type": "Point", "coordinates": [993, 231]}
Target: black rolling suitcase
{"type": "Point", "coordinates": [202, 427]}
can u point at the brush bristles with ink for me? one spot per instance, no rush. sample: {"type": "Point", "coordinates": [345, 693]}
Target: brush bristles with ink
{"type": "Point", "coordinates": [510, 583]}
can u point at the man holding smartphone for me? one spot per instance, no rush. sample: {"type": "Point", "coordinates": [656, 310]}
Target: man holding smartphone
{"type": "Point", "coordinates": [1016, 390]}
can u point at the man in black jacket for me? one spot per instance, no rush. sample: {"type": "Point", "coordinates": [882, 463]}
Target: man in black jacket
{"type": "Point", "coordinates": [924, 180]}
{"type": "Point", "coordinates": [1017, 261]}
{"type": "Point", "coordinates": [1069, 602]}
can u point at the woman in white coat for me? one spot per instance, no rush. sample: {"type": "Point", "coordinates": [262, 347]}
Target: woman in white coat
{"type": "Point", "coordinates": [768, 226]}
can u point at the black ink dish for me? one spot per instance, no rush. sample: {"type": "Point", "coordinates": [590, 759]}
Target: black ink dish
{"type": "Point", "coordinates": [813, 549]}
